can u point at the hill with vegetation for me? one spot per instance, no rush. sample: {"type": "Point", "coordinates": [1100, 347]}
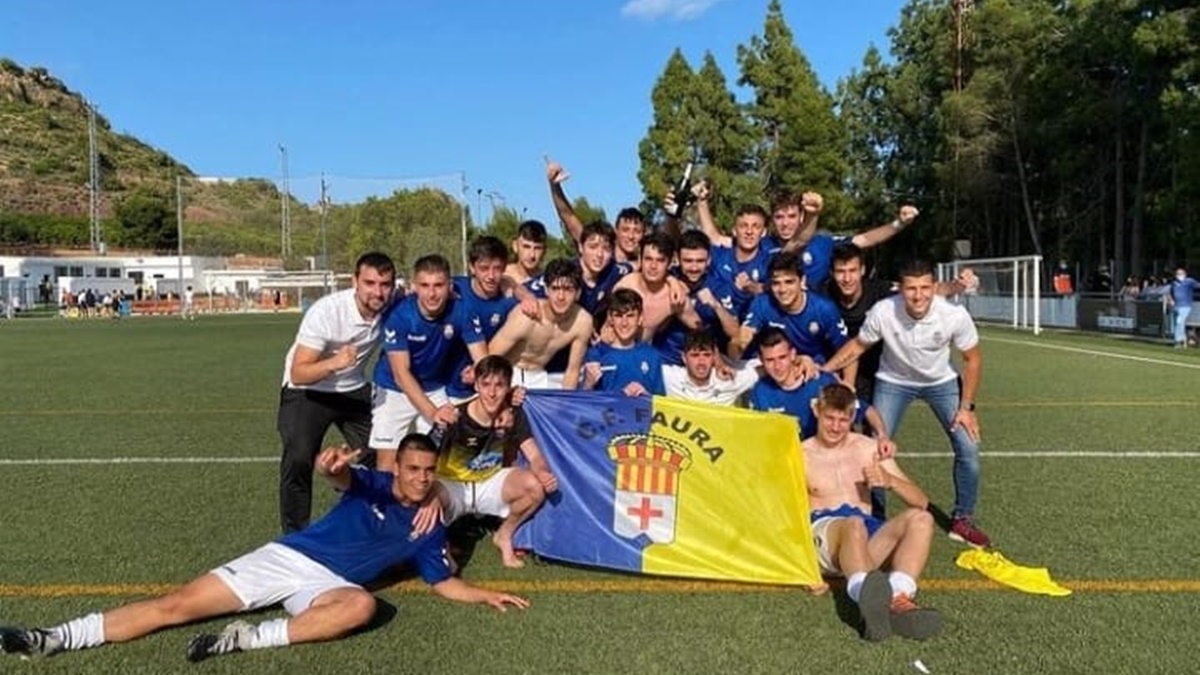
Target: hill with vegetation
{"type": "Point", "coordinates": [44, 194]}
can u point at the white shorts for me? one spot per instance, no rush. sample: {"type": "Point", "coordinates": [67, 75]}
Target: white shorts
{"type": "Point", "coordinates": [277, 574]}
{"type": "Point", "coordinates": [393, 416]}
{"type": "Point", "coordinates": [484, 497]}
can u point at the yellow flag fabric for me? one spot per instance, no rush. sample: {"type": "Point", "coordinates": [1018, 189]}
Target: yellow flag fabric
{"type": "Point", "coordinates": [671, 487]}
{"type": "Point", "coordinates": [993, 565]}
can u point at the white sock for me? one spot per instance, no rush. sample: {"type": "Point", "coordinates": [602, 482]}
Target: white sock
{"type": "Point", "coordinates": [268, 634]}
{"type": "Point", "coordinates": [81, 633]}
{"type": "Point", "coordinates": [902, 584]}
{"type": "Point", "coordinates": [854, 585]}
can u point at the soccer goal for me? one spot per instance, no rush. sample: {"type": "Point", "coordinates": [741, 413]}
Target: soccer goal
{"type": "Point", "coordinates": [1009, 289]}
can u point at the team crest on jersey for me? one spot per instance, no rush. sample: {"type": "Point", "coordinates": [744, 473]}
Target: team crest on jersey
{"type": "Point", "coordinates": [814, 327]}
{"type": "Point", "coordinates": [754, 275]}
{"type": "Point", "coordinates": [448, 331]}
{"type": "Point", "coordinates": [806, 257]}
{"type": "Point", "coordinates": [645, 367]}
{"type": "Point", "coordinates": [647, 485]}
{"type": "Point", "coordinates": [599, 296]}
{"type": "Point", "coordinates": [495, 320]}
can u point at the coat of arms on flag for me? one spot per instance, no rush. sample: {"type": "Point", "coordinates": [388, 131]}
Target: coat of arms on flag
{"type": "Point", "coordinates": [647, 485]}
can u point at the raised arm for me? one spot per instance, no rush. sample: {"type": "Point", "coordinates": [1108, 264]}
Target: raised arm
{"type": "Point", "coordinates": [334, 465]}
{"type": "Point", "coordinates": [704, 213]}
{"type": "Point", "coordinates": [878, 235]}
{"type": "Point", "coordinates": [557, 175]}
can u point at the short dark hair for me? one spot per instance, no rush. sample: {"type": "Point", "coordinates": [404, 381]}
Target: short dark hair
{"type": "Point", "coordinates": [598, 228]}
{"type": "Point", "coordinates": [846, 252]}
{"type": "Point", "coordinates": [418, 442]}
{"type": "Point", "coordinates": [700, 340]}
{"type": "Point", "coordinates": [917, 267]}
{"type": "Point", "coordinates": [785, 262]}
{"type": "Point", "coordinates": [785, 200]}
{"type": "Point", "coordinates": [560, 269]}
{"type": "Point", "coordinates": [692, 240]}
{"type": "Point", "coordinates": [771, 336]}
{"type": "Point", "coordinates": [661, 241]}
{"type": "Point", "coordinates": [434, 262]}
{"type": "Point", "coordinates": [631, 214]}
{"type": "Point", "coordinates": [625, 300]}
{"type": "Point", "coordinates": [837, 396]}
{"type": "Point", "coordinates": [376, 260]}
{"type": "Point", "coordinates": [532, 230]}
{"type": "Point", "coordinates": [493, 365]}
{"type": "Point", "coordinates": [487, 247]}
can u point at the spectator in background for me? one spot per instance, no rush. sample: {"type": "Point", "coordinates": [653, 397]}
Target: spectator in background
{"type": "Point", "coordinates": [1062, 279]}
{"type": "Point", "coordinates": [1102, 281]}
{"type": "Point", "coordinates": [1183, 290]}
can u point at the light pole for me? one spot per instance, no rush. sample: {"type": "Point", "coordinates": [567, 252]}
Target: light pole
{"type": "Point", "coordinates": [285, 225]}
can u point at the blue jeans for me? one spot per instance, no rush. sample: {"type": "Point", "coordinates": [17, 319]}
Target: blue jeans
{"type": "Point", "coordinates": [891, 400]}
{"type": "Point", "coordinates": [1181, 317]}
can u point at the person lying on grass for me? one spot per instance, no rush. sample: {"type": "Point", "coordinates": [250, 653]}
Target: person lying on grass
{"type": "Point", "coordinates": [316, 574]}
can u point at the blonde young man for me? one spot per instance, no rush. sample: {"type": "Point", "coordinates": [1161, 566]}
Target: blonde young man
{"type": "Point", "coordinates": [841, 467]}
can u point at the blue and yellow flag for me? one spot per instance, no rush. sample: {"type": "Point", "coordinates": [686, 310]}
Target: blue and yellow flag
{"type": "Point", "coordinates": [671, 487]}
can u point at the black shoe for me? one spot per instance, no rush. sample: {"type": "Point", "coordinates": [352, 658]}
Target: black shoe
{"type": "Point", "coordinates": [29, 642]}
{"type": "Point", "coordinates": [874, 604]}
{"type": "Point", "coordinates": [227, 641]}
{"type": "Point", "coordinates": [912, 621]}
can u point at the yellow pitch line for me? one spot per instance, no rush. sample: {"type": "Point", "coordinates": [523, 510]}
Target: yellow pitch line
{"type": "Point", "coordinates": [171, 413]}
{"type": "Point", "coordinates": [576, 586]}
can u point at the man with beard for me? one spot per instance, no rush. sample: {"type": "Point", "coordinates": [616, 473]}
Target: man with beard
{"type": "Point", "coordinates": [324, 380]}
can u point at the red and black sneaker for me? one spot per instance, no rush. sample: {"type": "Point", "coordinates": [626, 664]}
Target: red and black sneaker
{"type": "Point", "coordinates": [963, 529]}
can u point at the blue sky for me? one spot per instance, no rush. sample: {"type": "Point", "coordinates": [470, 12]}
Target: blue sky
{"type": "Point", "coordinates": [409, 88]}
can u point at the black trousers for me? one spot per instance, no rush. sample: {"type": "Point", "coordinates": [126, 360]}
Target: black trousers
{"type": "Point", "coordinates": [304, 418]}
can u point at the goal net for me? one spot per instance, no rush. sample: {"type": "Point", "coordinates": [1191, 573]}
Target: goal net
{"type": "Point", "coordinates": [1009, 290]}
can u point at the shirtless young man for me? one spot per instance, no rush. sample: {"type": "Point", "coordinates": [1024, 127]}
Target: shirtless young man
{"type": "Point", "coordinates": [840, 468]}
{"type": "Point", "coordinates": [663, 296]}
{"type": "Point", "coordinates": [530, 249]}
{"type": "Point", "coordinates": [530, 343]}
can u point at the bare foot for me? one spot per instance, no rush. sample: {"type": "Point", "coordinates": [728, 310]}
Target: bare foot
{"type": "Point", "coordinates": [507, 555]}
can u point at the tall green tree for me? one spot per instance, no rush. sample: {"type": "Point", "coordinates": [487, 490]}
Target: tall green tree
{"type": "Point", "coordinates": [801, 141]}
{"type": "Point", "coordinates": [670, 143]}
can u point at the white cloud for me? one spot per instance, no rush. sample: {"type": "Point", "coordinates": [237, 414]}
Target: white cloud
{"type": "Point", "coordinates": [676, 10]}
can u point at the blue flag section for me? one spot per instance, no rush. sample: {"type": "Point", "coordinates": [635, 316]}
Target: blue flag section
{"type": "Point", "coordinates": [671, 487]}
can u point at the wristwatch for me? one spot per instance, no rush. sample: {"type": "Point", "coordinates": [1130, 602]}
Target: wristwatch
{"type": "Point", "coordinates": [968, 405]}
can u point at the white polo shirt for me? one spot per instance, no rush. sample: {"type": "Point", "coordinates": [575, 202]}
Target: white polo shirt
{"type": "Point", "coordinates": [716, 390]}
{"type": "Point", "coordinates": [917, 352]}
{"type": "Point", "coordinates": [330, 323]}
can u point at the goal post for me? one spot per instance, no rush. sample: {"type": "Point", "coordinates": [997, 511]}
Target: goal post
{"type": "Point", "coordinates": [1009, 290]}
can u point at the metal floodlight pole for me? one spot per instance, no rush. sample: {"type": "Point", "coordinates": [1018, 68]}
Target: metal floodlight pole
{"type": "Point", "coordinates": [324, 240]}
{"type": "Point", "coordinates": [179, 234]}
{"type": "Point", "coordinates": [285, 232]}
{"type": "Point", "coordinates": [462, 215]}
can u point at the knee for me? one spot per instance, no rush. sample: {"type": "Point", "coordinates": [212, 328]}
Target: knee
{"type": "Point", "coordinates": [359, 609]}
{"type": "Point", "coordinates": [531, 488]}
{"type": "Point", "coordinates": [919, 520]}
{"type": "Point", "coordinates": [855, 532]}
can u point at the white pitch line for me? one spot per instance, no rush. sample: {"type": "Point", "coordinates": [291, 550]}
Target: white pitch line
{"type": "Point", "coordinates": [1005, 454]}
{"type": "Point", "coordinates": [1094, 352]}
